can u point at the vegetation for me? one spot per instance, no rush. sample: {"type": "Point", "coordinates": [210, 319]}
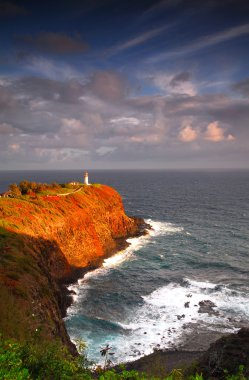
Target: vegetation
{"type": "Point", "coordinates": [27, 361]}
{"type": "Point", "coordinates": [34, 188]}
{"type": "Point", "coordinates": [31, 361]}
{"type": "Point", "coordinates": [33, 261]}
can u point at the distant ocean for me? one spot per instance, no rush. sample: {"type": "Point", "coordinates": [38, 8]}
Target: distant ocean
{"type": "Point", "coordinates": [198, 249]}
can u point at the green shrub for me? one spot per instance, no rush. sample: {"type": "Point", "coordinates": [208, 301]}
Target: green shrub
{"type": "Point", "coordinates": [51, 361]}
{"type": "Point", "coordinates": [238, 376]}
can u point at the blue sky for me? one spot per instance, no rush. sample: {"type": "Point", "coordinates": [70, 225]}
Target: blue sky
{"type": "Point", "coordinates": [113, 84]}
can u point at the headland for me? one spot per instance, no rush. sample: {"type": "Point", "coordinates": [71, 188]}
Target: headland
{"type": "Point", "coordinates": [50, 238]}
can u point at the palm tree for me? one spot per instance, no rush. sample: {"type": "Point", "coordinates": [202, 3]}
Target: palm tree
{"type": "Point", "coordinates": [105, 351]}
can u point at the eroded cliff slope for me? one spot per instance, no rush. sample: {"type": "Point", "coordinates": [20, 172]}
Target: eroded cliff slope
{"type": "Point", "coordinates": [43, 241]}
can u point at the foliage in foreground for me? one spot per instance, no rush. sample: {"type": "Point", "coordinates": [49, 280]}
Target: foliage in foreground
{"type": "Point", "coordinates": [29, 361]}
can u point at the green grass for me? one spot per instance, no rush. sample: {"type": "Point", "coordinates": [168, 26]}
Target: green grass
{"type": "Point", "coordinates": [96, 185]}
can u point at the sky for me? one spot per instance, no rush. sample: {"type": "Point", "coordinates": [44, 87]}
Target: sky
{"type": "Point", "coordinates": [113, 84]}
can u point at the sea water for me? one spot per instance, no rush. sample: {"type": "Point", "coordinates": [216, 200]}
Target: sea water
{"type": "Point", "coordinates": [197, 249]}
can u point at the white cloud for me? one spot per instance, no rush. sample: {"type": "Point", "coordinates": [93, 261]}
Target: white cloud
{"type": "Point", "coordinates": [167, 83]}
{"type": "Point", "coordinates": [203, 42]}
{"type": "Point", "coordinates": [59, 154]}
{"type": "Point", "coordinates": [103, 150]}
{"type": "Point", "coordinates": [188, 134]}
{"type": "Point", "coordinates": [215, 133]}
{"type": "Point", "coordinates": [125, 120]}
{"type": "Point", "coordinates": [72, 126]}
{"type": "Point", "coordinates": [230, 138]}
{"type": "Point", "coordinates": [138, 40]}
{"type": "Point", "coordinates": [146, 139]}
{"type": "Point", "coordinates": [52, 69]}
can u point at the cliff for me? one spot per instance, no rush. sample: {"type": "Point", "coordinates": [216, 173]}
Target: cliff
{"type": "Point", "coordinates": [46, 240]}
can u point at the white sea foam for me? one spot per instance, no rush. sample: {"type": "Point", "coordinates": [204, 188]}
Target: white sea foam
{"type": "Point", "coordinates": [80, 288]}
{"type": "Point", "coordinates": [134, 245]}
{"type": "Point", "coordinates": [163, 228]}
{"type": "Point", "coordinates": [161, 321]}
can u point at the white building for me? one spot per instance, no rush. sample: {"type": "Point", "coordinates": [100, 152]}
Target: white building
{"type": "Point", "coordinates": [86, 178]}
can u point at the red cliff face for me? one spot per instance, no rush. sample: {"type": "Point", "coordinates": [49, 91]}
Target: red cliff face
{"type": "Point", "coordinates": [91, 227]}
{"type": "Point", "coordinates": [45, 239]}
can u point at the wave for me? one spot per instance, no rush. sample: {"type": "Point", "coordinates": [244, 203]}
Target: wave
{"type": "Point", "coordinates": [163, 228]}
{"type": "Point", "coordinates": [135, 244]}
{"type": "Point", "coordinates": [162, 320]}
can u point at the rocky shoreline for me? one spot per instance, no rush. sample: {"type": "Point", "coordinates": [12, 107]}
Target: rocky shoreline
{"type": "Point", "coordinates": [193, 354]}
{"type": "Point", "coordinates": [79, 273]}
{"type": "Point", "coordinates": [222, 353]}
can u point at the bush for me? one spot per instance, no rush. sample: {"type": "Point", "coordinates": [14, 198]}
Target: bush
{"type": "Point", "coordinates": [31, 361]}
{"type": "Point", "coordinates": [52, 361]}
{"type": "Point", "coordinates": [11, 365]}
{"type": "Point", "coordinates": [15, 190]}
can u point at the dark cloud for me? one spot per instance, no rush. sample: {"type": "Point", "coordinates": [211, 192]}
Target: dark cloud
{"type": "Point", "coordinates": [181, 77]}
{"type": "Point", "coordinates": [242, 87]}
{"type": "Point", "coordinates": [64, 120]}
{"type": "Point", "coordinates": [6, 98]}
{"type": "Point", "coordinates": [57, 43]}
{"type": "Point", "coordinates": [50, 90]}
{"type": "Point", "coordinates": [10, 9]}
{"type": "Point", "coordinates": [235, 114]}
{"type": "Point", "coordinates": [108, 85]}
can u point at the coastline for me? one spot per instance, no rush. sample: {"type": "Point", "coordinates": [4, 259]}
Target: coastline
{"type": "Point", "coordinates": [78, 273]}
{"type": "Point", "coordinates": [219, 352]}
{"type": "Point", "coordinates": [193, 345]}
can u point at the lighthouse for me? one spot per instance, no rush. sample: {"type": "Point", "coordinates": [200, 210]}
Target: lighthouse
{"type": "Point", "coordinates": [86, 178]}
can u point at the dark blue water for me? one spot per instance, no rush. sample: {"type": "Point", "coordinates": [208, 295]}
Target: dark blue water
{"type": "Point", "coordinates": [198, 250]}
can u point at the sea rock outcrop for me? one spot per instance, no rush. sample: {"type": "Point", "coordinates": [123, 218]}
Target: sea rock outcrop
{"type": "Point", "coordinates": [226, 355]}
{"type": "Point", "coordinates": [47, 240]}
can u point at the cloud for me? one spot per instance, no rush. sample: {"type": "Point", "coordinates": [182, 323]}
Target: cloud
{"type": "Point", "coordinates": [14, 147]}
{"type": "Point", "coordinates": [72, 126]}
{"type": "Point", "coordinates": [149, 139]}
{"type": "Point", "coordinates": [202, 43]}
{"type": "Point", "coordinates": [125, 120]}
{"type": "Point", "coordinates": [138, 40]}
{"type": "Point", "coordinates": [178, 78]}
{"type": "Point", "coordinates": [105, 150]}
{"type": "Point", "coordinates": [51, 69]}
{"type": "Point", "coordinates": [38, 91]}
{"type": "Point", "coordinates": [242, 87]}
{"type": "Point", "coordinates": [10, 9]}
{"type": "Point", "coordinates": [215, 133]}
{"type": "Point", "coordinates": [59, 154]}
{"type": "Point", "coordinates": [55, 43]}
{"type": "Point", "coordinates": [66, 120]}
{"type": "Point", "coordinates": [6, 99]}
{"type": "Point", "coordinates": [108, 85]}
{"type": "Point", "coordinates": [230, 138]}
{"type": "Point", "coordinates": [8, 129]}
{"type": "Point", "coordinates": [179, 83]}
{"type": "Point", "coordinates": [188, 134]}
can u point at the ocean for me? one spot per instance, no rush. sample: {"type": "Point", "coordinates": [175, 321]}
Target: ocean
{"type": "Point", "coordinates": [147, 296]}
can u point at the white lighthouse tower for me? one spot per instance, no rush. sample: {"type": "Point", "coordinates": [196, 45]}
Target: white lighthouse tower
{"type": "Point", "coordinates": [86, 178]}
